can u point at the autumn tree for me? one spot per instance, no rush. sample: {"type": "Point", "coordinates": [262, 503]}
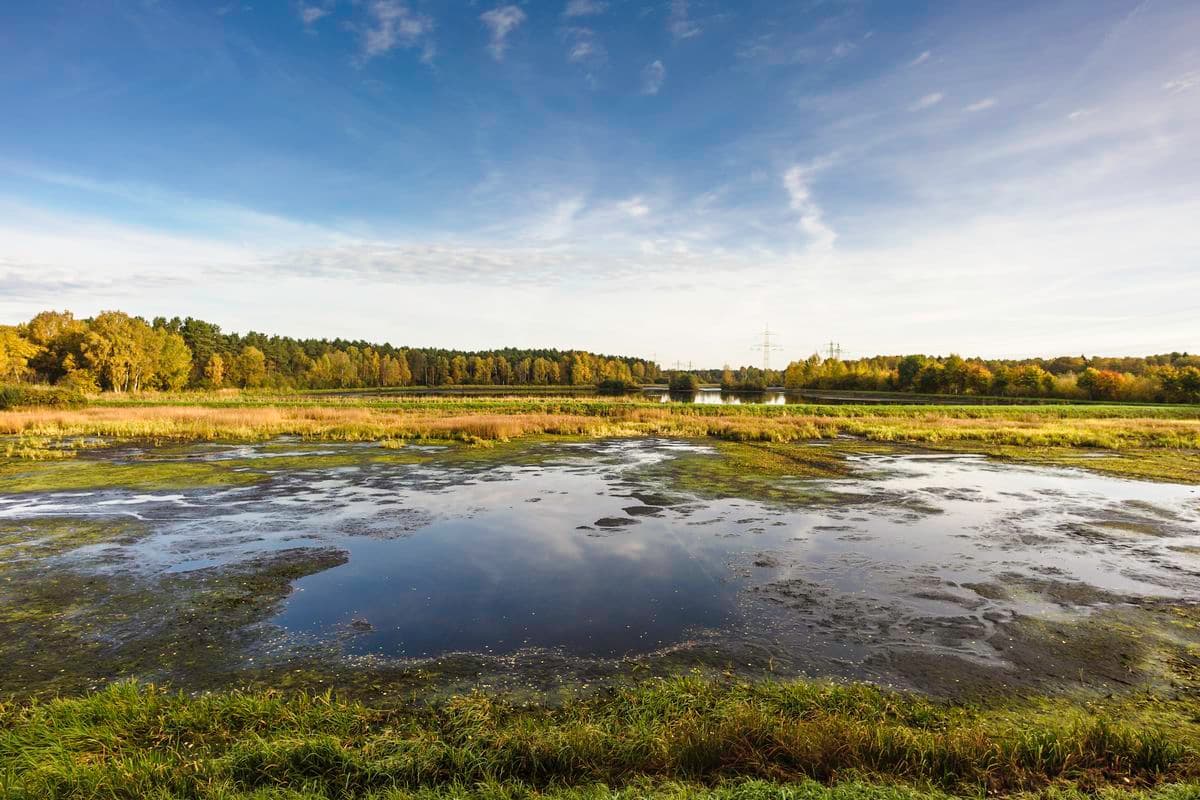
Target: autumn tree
{"type": "Point", "coordinates": [251, 368]}
{"type": "Point", "coordinates": [15, 352]}
{"type": "Point", "coordinates": [174, 363]}
{"type": "Point", "coordinates": [214, 371]}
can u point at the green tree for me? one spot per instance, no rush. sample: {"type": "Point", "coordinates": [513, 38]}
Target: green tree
{"type": "Point", "coordinates": [251, 367]}
{"type": "Point", "coordinates": [907, 371]}
{"type": "Point", "coordinates": [174, 361]}
{"type": "Point", "coordinates": [121, 351]}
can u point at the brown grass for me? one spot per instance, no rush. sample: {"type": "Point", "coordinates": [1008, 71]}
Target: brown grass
{"type": "Point", "coordinates": [454, 421]}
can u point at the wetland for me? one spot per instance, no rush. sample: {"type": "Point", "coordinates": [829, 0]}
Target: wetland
{"type": "Point", "coordinates": [276, 597]}
{"type": "Point", "coordinates": [539, 565]}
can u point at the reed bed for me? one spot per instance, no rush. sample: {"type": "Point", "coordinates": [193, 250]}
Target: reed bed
{"type": "Point", "coordinates": [507, 418]}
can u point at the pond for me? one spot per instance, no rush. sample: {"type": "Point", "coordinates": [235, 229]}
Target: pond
{"type": "Point", "coordinates": [591, 551]}
{"type": "Point", "coordinates": [718, 397]}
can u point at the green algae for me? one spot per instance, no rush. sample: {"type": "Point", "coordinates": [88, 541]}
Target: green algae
{"type": "Point", "coordinates": [73, 627]}
{"type": "Point", "coordinates": [80, 474]}
{"type": "Point", "coordinates": [47, 537]}
{"type": "Point", "coordinates": [769, 472]}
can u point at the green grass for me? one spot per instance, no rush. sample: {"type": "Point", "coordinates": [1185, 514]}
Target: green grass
{"type": "Point", "coordinates": [659, 737]}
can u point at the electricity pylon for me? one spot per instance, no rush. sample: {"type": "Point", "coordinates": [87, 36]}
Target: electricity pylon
{"type": "Point", "coordinates": [766, 347]}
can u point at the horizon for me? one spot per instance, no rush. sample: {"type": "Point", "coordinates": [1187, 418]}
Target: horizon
{"type": "Point", "coordinates": [613, 177]}
{"type": "Point", "coordinates": [779, 364]}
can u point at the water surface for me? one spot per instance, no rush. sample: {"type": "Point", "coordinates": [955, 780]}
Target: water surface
{"type": "Point", "coordinates": [586, 551]}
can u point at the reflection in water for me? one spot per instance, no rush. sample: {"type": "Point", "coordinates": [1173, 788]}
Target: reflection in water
{"type": "Point", "coordinates": [719, 397]}
{"type": "Point", "coordinates": [579, 551]}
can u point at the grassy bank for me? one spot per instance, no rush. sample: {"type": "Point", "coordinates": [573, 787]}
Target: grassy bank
{"type": "Point", "coordinates": [657, 738]}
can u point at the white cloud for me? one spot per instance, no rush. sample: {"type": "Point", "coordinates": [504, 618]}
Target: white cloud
{"type": "Point", "coordinates": [394, 25]}
{"type": "Point", "coordinates": [635, 207]}
{"type": "Point", "coordinates": [310, 14]}
{"type": "Point", "coordinates": [981, 105]}
{"type": "Point", "coordinates": [653, 76]}
{"type": "Point", "coordinates": [1081, 113]}
{"type": "Point", "coordinates": [678, 22]}
{"type": "Point", "coordinates": [581, 51]}
{"type": "Point", "coordinates": [921, 59]}
{"type": "Point", "coordinates": [584, 47]}
{"type": "Point", "coordinates": [1183, 83]}
{"type": "Point", "coordinates": [928, 101]}
{"type": "Point", "coordinates": [797, 181]}
{"type": "Point", "coordinates": [584, 8]}
{"type": "Point", "coordinates": [501, 22]}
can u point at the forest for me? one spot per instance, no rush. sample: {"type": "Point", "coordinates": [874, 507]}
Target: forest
{"type": "Point", "coordinates": [1167, 378]}
{"type": "Point", "coordinates": [114, 351]}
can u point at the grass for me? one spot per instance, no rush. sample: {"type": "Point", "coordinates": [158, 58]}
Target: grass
{"type": "Point", "coordinates": [663, 737]}
{"type": "Point", "coordinates": [1153, 442]}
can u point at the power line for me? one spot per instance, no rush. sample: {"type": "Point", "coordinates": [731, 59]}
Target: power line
{"type": "Point", "coordinates": [766, 347]}
{"type": "Point", "coordinates": [835, 350]}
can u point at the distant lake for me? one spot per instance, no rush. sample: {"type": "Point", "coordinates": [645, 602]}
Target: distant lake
{"type": "Point", "coordinates": [718, 397]}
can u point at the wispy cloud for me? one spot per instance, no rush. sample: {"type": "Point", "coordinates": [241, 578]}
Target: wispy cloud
{"type": "Point", "coordinates": [501, 22]}
{"type": "Point", "coordinates": [394, 25]}
{"type": "Point", "coordinates": [797, 181]}
{"type": "Point", "coordinates": [921, 59]}
{"type": "Point", "coordinates": [843, 49]}
{"type": "Point", "coordinates": [653, 76]}
{"type": "Point", "coordinates": [584, 8]}
{"type": "Point", "coordinates": [928, 101]}
{"type": "Point", "coordinates": [981, 105]}
{"type": "Point", "coordinates": [584, 47]}
{"type": "Point", "coordinates": [1081, 113]}
{"type": "Point", "coordinates": [679, 23]}
{"type": "Point", "coordinates": [635, 207]}
{"type": "Point", "coordinates": [1185, 82]}
{"type": "Point", "coordinates": [309, 14]}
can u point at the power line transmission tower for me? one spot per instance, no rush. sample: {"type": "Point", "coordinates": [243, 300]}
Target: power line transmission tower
{"type": "Point", "coordinates": [766, 347]}
{"type": "Point", "coordinates": [835, 350]}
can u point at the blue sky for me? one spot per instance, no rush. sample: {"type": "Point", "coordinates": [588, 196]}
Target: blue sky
{"type": "Point", "coordinates": [646, 177]}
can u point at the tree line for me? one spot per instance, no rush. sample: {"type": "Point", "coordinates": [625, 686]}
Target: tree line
{"type": "Point", "coordinates": [114, 351]}
{"type": "Point", "coordinates": [1167, 378]}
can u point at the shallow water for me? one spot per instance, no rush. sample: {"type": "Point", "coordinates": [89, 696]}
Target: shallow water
{"type": "Point", "coordinates": [718, 397]}
{"type": "Point", "coordinates": [579, 552]}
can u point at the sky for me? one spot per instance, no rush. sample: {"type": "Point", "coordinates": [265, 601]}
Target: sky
{"type": "Point", "coordinates": [661, 178]}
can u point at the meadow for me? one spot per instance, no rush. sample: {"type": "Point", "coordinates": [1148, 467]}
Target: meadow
{"type": "Point", "coordinates": [1137, 440]}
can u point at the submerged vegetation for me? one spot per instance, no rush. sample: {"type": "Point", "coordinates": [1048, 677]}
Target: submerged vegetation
{"type": "Point", "coordinates": [663, 737]}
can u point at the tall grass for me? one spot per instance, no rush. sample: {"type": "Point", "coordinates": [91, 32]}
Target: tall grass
{"type": "Point", "coordinates": [1113, 427]}
{"type": "Point", "coordinates": [137, 741]}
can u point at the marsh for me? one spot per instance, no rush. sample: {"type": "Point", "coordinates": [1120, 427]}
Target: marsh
{"type": "Point", "coordinates": [560, 560]}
